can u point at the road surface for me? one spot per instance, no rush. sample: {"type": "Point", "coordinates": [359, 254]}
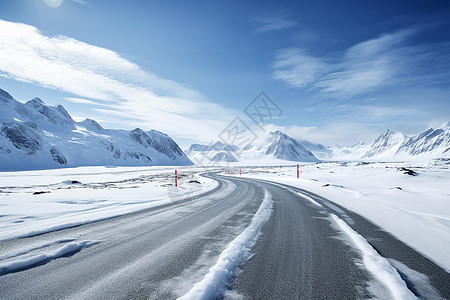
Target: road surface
{"type": "Point", "coordinates": [160, 253]}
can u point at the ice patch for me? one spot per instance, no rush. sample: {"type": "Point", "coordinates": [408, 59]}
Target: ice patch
{"type": "Point", "coordinates": [216, 281]}
{"type": "Point", "coordinates": [377, 265]}
{"type": "Point", "coordinates": [33, 259]}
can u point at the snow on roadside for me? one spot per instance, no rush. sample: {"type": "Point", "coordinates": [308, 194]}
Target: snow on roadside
{"type": "Point", "coordinates": [34, 247]}
{"type": "Point", "coordinates": [36, 202]}
{"type": "Point", "coordinates": [216, 281]}
{"type": "Point", "coordinates": [415, 209]}
{"type": "Point", "coordinates": [310, 199]}
{"type": "Point", "coordinates": [377, 265]}
{"type": "Point", "coordinates": [25, 261]}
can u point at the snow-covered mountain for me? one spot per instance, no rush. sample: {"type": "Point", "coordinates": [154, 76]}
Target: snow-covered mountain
{"type": "Point", "coordinates": [319, 150]}
{"type": "Point", "coordinates": [386, 145]}
{"type": "Point", "coordinates": [432, 143]}
{"type": "Point", "coordinates": [217, 146]}
{"type": "Point", "coordinates": [279, 145]}
{"type": "Point", "coordinates": [353, 152]}
{"type": "Point", "coordinates": [214, 153]}
{"type": "Point", "coordinates": [274, 146]}
{"type": "Point", "coordinates": [389, 146]}
{"type": "Point", "coordinates": [34, 135]}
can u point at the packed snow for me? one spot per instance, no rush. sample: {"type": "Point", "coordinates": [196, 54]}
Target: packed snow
{"type": "Point", "coordinates": [414, 208]}
{"type": "Point", "coordinates": [216, 281]}
{"type": "Point", "coordinates": [35, 202]}
{"type": "Point", "coordinates": [310, 199]}
{"type": "Point", "coordinates": [20, 262]}
{"type": "Point", "coordinates": [34, 247]}
{"type": "Point", "coordinates": [377, 265]}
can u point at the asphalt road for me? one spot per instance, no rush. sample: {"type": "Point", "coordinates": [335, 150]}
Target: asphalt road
{"type": "Point", "coordinates": [160, 253]}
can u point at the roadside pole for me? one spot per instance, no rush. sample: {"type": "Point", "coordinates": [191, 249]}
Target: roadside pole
{"type": "Point", "coordinates": [176, 178]}
{"type": "Point", "coordinates": [298, 171]}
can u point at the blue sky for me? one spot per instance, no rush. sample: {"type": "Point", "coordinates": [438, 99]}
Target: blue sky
{"type": "Point", "coordinates": [341, 71]}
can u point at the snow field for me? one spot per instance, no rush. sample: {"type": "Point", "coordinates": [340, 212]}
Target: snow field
{"type": "Point", "coordinates": [76, 196]}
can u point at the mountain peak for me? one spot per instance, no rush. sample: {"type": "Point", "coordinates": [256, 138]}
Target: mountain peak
{"type": "Point", "coordinates": [90, 124]}
{"type": "Point", "coordinates": [218, 146]}
{"type": "Point", "coordinates": [387, 132]}
{"type": "Point", "coordinates": [5, 96]}
{"type": "Point", "coordinates": [279, 145]}
{"type": "Point", "coordinates": [37, 100]}
{"type": "Point", "coordinates": [277, 133]}
{"type": "Point", "coordinates": [156, 132]}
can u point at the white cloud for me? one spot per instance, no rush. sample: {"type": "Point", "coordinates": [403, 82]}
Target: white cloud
{"type": "Point", "coordinates": [297, 68]}
{"type": "Point", "coordinates": [386, 61]}
{"type": "Point", "coordinates": [83, 2]}
{"type": "Point", "coordinates": [275, 23]}
{"type": "Point", "coordinates": [105, 77]}
{"type": "Point", "coordinates": [81, 101]}
{"type": "Point", "coordinates": [341, 133]}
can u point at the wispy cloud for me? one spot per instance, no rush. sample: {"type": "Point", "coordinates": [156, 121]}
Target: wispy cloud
{"type": "Point", "coordinates": [104, 77]}
{"type": "Point", "coordinates": [82, 2]}
{"type": "Point", "coordinates": [81, 101]}
{"type": "Point", "coordinates": [341, 133]}
{"type": "Point", "coordinates": [386, 61]}
{"type": "Point", "coordinates": [274, 23]}
{"type": "Point", "coordinates": [297, 68]}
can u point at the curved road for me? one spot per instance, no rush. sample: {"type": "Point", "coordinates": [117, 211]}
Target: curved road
{"type": "Point", "coordinates": [159, 253]}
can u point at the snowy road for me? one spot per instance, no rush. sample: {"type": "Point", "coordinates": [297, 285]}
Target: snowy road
{"type": "Point", "coordinates": [306, 250]}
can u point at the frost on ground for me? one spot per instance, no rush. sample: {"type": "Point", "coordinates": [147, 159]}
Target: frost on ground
{"type": "Point", "coordinates": [36, 202]}
{"type": "Point", "coordinates": [216, 281]}
{"type": "Point", "coordinates": [415, 209]}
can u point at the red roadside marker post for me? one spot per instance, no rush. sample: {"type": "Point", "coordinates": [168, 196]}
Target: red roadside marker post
{"type": "Point", "coordinates": [298, 171]}
{"type": "Point", "coordinates": [240, 172]}
{"type": "Point", "coordinates": [176, 178]}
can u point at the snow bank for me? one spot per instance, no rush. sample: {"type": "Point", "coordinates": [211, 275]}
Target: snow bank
{"type": "Point", "coordinates": [377, 265]}
{"type": "Point", "coordinates": [34, 247]}
{"type": "Point", "coordinates": [215, 283]}
{"type": "Point", "coordinates": [22, 262]}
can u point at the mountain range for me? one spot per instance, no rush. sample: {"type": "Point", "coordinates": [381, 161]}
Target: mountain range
{"type": "Point", "coordinates": [35, 135]}
{"type": "Point", "coordinates": [430, 144]}
{"type": "Point", "coordinates": [273, 146]}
